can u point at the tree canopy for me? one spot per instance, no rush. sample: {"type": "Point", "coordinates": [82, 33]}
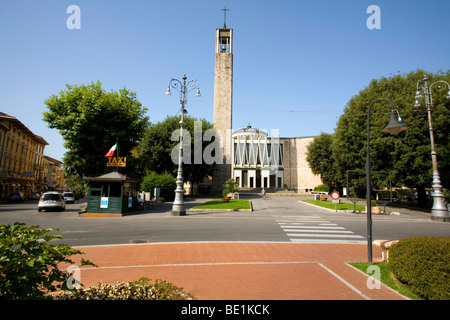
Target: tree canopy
{"type": "Point", "coordinates": [407, 156]}
{"type": "Point", "coordinates": [91, 120]}
{"type": "Point", "coordinates": [157, 146]}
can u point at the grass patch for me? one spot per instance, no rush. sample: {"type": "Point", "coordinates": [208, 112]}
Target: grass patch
{"type": "Point", "coordinates": [387, 278]}
{"type": "Point", "coordinates": [339, 206]}
{"type": "Point", "coordinates": [219, 204]}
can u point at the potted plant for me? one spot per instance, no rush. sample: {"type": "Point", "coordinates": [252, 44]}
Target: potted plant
{"type": "Point", "coordinates": [323, 190]}
{"type": "Point", "coordinates": [374, 208]}
{"type": "Point", "coordinates": [230, 186]}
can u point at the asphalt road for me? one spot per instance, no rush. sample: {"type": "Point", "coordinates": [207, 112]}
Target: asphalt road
{"type": "Point", "coordinates": [275, 219]}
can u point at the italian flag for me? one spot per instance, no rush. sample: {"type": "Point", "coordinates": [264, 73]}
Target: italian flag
{"type": "Point", "coordinates": [111, 151]}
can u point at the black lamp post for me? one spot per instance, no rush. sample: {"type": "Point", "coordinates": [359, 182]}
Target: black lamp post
{"type": "Point", "coordinates": [394, 127]}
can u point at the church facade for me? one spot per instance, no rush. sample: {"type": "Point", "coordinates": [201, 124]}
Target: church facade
{"type": "Point", "coordinates": [252, 157]}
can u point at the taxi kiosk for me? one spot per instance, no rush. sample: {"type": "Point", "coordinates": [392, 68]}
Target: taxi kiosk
{"type": "Point", "coordinates": [111, 195]}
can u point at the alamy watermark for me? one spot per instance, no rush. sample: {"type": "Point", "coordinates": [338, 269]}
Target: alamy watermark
{"type": "Point", "coordinates": [74, 20]}
{"type": "Point", "coordinates": [374, 21]}
{"type": "Point", "coordinates": [74, 280]}
{"type": "Point", "coordinates": [219, 150]}
{"type": "Point", "coordinates": [374, 281]}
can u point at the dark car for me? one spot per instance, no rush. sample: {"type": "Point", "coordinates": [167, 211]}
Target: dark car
{"type": "Point", "coordinates": [34, 196]}
{"type": "Point", "coordinates": [16, 197]}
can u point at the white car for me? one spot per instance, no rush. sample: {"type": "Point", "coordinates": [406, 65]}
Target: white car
{"type": "Point", "coordinates": [69, 197]}
{"type": "Point", "coordinates": [52, 200]}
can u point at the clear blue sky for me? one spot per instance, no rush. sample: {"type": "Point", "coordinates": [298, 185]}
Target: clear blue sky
{"type": "Point", "coordinates": [296, 63]}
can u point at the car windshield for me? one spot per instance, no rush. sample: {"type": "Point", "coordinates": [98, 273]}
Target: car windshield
{"type": "Point", "coordinates": [68, 194]}
{"type": "Point", "coordinates": [51, 196]}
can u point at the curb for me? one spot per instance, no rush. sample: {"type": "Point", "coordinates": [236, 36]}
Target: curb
{"type": "Point", "coordinates": [225, 210]}
{"type": "Point", "coordinates": [393, 213]}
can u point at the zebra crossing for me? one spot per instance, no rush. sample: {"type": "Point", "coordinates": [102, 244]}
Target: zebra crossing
{"type": "Point", "coordinates": [317, 230]}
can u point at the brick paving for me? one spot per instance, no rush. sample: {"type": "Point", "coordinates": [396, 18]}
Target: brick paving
{"type": "Point", "coordinates": [241, 270]}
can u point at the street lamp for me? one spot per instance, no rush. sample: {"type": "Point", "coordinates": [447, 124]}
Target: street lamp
{"type": "Point", "coordinates": [439, 211]}
{"type": "Point", "coordinates": [183, 88]}
{"type": "Point", "coordinates": [394, 127]}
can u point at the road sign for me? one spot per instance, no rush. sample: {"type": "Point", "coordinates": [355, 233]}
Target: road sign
{"type": "Point", "coordinates": [335, 195]}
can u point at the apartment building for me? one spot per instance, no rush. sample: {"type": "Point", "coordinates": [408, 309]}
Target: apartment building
{"type": "Point", "coordinates": [22, 163]}
{"type": "Point", "coordinates": [53, 174]}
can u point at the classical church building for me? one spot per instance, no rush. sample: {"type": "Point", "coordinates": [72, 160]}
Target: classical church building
{"type": "Point", "coordinates": [252, 157]}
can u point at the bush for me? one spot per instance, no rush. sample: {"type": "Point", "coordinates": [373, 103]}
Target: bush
{"type": "Point", "coordinates": [230, 186]}
{"type": "Point", "coordinates": [423, 264]}
{"type": "Point", "coordinates": [322, 188]}
{"type": "Point", "coordinates": [135, 290]}
{"type": "Point", "coordinates": [29, 264]}
{"type": "Point", "coordinates": [165, 181]}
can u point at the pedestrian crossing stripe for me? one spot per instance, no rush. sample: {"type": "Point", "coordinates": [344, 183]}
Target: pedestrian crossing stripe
{"type": "Point", "coordinates": [318, 231]}
{"type": "Point", "coordinates": [323, 235]}
{"type": "Point", "coordinates": [315, 229]}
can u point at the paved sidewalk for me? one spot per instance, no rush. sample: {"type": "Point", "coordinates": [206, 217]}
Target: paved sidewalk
{"type": "Point", "coordinates": [241, 270]}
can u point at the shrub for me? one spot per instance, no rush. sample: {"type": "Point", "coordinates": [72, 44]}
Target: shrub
{"type": "Point", "coordinates": [165, 181]}
{"type": "Point", "coordinates": [423, 264]}
{"type": "Point", "coordinates": [230, 186]}
{"type": "Point", "coordinates": [135, 290]}
{"type": "Point", "coordinates": [322, 188]}
{"type": "Point", "coordinates": [29, 264]}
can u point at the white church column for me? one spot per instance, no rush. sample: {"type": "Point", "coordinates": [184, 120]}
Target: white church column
{"type": "Point", "coordinates": [238, 177]}
{"type": "Point", "coordinates": [265, 178]}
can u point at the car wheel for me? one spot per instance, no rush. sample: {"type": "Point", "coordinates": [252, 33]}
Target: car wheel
{"type": "Point", "coordinates": [39, 209]}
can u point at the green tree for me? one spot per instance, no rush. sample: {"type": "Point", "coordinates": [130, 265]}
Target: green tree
{"type": "Point", "coordinates": [320, 158]}
{"type": "Point", "coordinates": [165, 181]}
{"type": "Point", "coordinates": [29, 265]}
{"type": "Point", "coordinates": [75, 183]}
{"type": "Point", "coordinates": [230, 186]}
{"type": "Point", "coordinates": [91, 120]}
{"type": "Point", "coordinates": [156, 148]}
{"type": "Point", "coordinates": [406, 156]}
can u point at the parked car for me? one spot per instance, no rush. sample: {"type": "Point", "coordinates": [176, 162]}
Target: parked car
{"type": "Point", "coordinates": [16, 197]}
{"type": "Point", "coordinates": [52, 200]}
{"type": "Point", "coordinates": [34, 196]}
{"type": "Point", "coordinates": [69, 197]}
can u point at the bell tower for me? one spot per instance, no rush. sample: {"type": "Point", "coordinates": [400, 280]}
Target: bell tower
{"type": "Point", "coordinates": [223, 100]}
{"type": "Point", "coordinates": [223, 82]}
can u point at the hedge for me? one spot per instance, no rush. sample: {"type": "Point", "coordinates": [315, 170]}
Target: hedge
{"type": "Point", "coordinates": [165, 181]}
{"type": "Point", "coordinates": [423, 265]}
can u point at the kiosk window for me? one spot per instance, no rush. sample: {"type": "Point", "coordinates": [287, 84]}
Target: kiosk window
{"type": "Point", "coordinates": [115, 190]}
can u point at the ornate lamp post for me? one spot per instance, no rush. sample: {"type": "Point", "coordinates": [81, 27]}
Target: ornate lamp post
{"type": "Point", "coordinates": [183, 88]}
{"type": "Point", "coordinates": [439, 211]}
{"type": "Point", "coordinates": [394, 127]}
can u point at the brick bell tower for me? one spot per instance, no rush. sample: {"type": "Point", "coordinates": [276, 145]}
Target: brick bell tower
{"type": "Point", "coordinates": [223, 101]}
